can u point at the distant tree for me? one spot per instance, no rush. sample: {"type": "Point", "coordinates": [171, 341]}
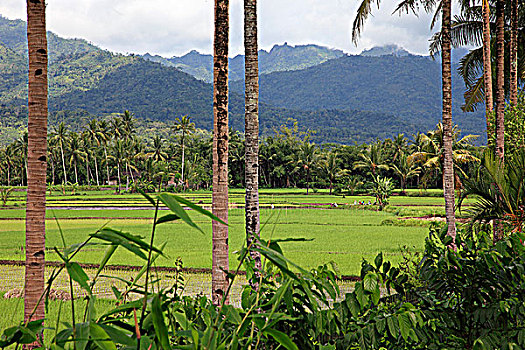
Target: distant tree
{"type": "Point", "coordinates": [61, 136]}
{"type": "Point", "coordinates": [330, 168]}
{"type": "Point", "coordinates": [185, 127]}
{"type": "Point", "coordinates": [306, 160]}
{"type": "Point", "coordinates": [405, 170]}
{"type": "Point", "coordinates": [372, 159]}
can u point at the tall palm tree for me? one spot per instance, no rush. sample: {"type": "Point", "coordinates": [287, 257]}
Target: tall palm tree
{"type": "Point", "coordinates": [251, 127]}
{"type": "Point", "coordinates": [405, 170]}
{"type": "Point", "coordinates": [220, 262]}
{"type": "Point", "coordinates": [185, 126]}
{"type": "Point", "coordinates": [500, 78]}
{"type": "Point", "coordinates": [306, 159]}
{"type": "Point", "coordinates": [372, 159]}
{"type": "Point", "coordinates": [105, 137]}
{"type": "Point", "coordinates": [37, 163]}
{"type": "Point", "coordinates": [513, 48]}
{"type": "Point", "coordinates": [487, 64]}
{"type": "Point", "coordinates": [60, 135]}
{"type": "Point", "coordinates": [331, 168]}
{"type": "Point", "coordinates": [448, 163]}
{"type": "Point", "coordinates": [445, 6]}
{"type": "Point", "coordinates": [76, 155]}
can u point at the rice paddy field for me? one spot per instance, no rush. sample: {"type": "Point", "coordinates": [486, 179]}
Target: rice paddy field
{"type": "Point", "coordinates": [337, 230]}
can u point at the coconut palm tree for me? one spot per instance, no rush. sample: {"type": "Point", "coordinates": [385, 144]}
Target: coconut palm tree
{"type": "Point", "coordinates": [372, 159]}
{"type": "Point", "coordinates": [513, 48]}
{"type": "Point", "coordinates": [251, 127]}
{"type": "Point", "coordinates": [185, 127]}
{"type": "Point", "coordinates": [499, 191]}
{"type": "Point", "coordinates": [444, 7]}
{"type": "Point", "coordinates": [37, 163]}
{"type": "Point", "coordinates": [220, 262]}
{"type": "Point", "coordinates": [76, 155]}
{"type": "Point", "coordinates": [330, 168]}
{"type": "Point", "coordinates": [405, 170]}
{"type": "Point", "coordinates": [306, 160]}
{"type": "Point", "coordinates": [432, 154]}
{"type": "Point", "coordinates": [61, 136]}
{"type": "Point", "coordinates": [500, 78]}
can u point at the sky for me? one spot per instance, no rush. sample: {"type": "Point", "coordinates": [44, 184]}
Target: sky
{"type": "Point", "coordinates": [174, 27]}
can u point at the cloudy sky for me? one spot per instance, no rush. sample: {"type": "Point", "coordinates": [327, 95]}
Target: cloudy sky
{"type": "Point", "coordinates": [174, 27]}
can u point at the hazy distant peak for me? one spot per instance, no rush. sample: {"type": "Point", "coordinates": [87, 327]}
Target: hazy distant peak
{"type": "Point", "coordinates": [390, 49]}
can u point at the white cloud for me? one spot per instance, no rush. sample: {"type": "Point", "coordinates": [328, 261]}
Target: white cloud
{"type": "Point", "coordinates": [169, 27]}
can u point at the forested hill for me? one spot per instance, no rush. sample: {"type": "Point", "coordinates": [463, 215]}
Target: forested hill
{"type": "Point", "coordinates": [280, 58]}
{"type": "Point", "coordinates": [85, 79]}
{"type": "Point", "coordinates": [408, 87]}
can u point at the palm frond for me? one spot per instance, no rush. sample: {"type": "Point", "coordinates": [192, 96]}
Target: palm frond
{"type": "Point", "coordinates": [364, 10]}
{"type": "Point", "coordinates": [474, 95]}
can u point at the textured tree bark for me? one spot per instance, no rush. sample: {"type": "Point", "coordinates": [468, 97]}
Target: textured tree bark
{"type": "Point", "coordinates": [448, 166]}
{"type": "Point", "coordinates": [251, 127]}
{"type": "Point", "coordinates": [220, 152]}
{"type": "Point", "coordinates": [500, 78]}
{"type": "Point", "coordinates": [514, 52]}
{"type": "Point", "coordinates": [37, 161]}
{"type": "Point", "coordinates": [500, 96]}
{"type": "Point", "coordinates": [487, 67]}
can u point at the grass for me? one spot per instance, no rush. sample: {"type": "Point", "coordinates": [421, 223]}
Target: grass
{"type": "Point", "coordinates": [341, 236]}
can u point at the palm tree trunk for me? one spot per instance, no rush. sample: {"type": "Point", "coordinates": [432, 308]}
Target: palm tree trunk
{"type": "Point", "coordinates": [487, 66]}
{"type": "Point", "coordinates": [251, 127]}
{"type": "Point", "coordinates": [107, 164]}
{"type": "Point", "coordinates": [220, 261]}
{"type": "Point", "coordinates": [118, 177]}
{"type": "Point", "coordinates": [96, 170]}
{"type": "Point", "coordinates": [76, 172]}
{"type": "Point", "coordinates": [514, 52]}
{"type": "Point", "coordinates": [448, 166]}
{"type": "Point", "coordinates": [500, 78]}
{"type": "Point", "coordinates": [127, 177]}
{"type": "Point", "coordinates": [63, 163]}
{"type": "Point", "coordinates": [87, 168]}
{"type": "Point", "coordinates": [37, 167]}
{"type": "Point", "coordinates": [182, 165]}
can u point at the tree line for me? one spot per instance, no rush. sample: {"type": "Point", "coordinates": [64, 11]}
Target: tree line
{"type": "Point", "coordinates": [110, 152]}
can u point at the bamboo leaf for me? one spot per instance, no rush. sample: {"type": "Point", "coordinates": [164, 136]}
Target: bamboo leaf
{"type": "Point", "coordinates": [281, 338]}
{"type": "Point", "coordinates": [158, 323]}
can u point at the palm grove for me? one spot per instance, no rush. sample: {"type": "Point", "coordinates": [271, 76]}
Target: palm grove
{"type": "Point", "coordinates": [110, 150]}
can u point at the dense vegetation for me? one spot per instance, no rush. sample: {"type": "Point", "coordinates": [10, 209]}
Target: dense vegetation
{"type": "Point", "coordinates": [111, 150]}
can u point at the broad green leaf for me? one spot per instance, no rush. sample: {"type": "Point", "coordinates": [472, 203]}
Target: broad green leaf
{"type": "Point", "coordinates": [158, 323]}
{"type": "Point", "coordinates": [167, 218]}
{"type": "Point", "coordinates": [82, 335]}
{"type": "Point", "coordinates": [281, 338]}
{"type": "Point", "coordinates": [379, 260]}
{"type": "Point", "coordinates": [109, 253]}
{"type": "Point", "coordinates": [78, 275]}
{"type": "Point", "coordinates": [404, 325]}
{"type": "Point", "coordinates": [100, 337]}
{"type": "Point", "coordinates": [370, 282]}
{"type": "Point", "coordinates": [118, 336]}
{"type": "Point", "coordinates": [197, 208]}
{"type": "Point", "coordinates": [171, 201]}
{"type": "Point", "coordinates": [393, 326]}
{"type": "Point", "coordinates": [145, 195]}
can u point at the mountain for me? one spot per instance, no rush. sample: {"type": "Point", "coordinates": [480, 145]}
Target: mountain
{"type": "Point", "coordinates": [391, 49]}
{"type": "Point", "coordinates": [340, 98]}
{"type": "Point", "coordinates": [280, 58]}
{"type": "Point", "coordinates": [408, 87]}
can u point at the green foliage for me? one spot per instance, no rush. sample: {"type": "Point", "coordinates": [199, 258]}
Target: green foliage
{"type": "Point", "coordinates": [382, 190]}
